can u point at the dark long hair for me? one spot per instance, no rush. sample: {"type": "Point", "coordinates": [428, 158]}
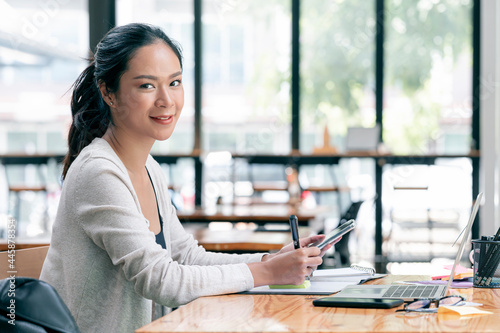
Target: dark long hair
{"type": "Point", "coordinates": [91, 115]}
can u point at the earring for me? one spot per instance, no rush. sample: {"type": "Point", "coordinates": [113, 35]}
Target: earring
{"type": "Point", "coordinates": [110, 103]}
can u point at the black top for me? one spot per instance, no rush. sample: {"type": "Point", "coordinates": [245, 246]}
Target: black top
{"type": "Point", "coordinates": [160, 238]}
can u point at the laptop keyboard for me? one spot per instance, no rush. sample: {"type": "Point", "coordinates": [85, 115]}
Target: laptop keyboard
{"type": "Point", "coordinates": [411, 291]}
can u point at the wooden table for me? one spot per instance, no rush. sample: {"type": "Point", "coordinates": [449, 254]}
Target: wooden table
{"type": "Point", "coordinates": [252, 213]}
{"type": "Point", "coordinates": [24, 244]}
{"type": "Point", "coordinates": [233, 240]}
{"type": "Point", "coordinates": [292, 313]}
{"type": "Point", "coordinates": [241, 241]}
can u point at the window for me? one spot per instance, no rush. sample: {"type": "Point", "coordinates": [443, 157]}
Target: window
{"type": "Point", "coordinates": [43, 47]}
{"type": "Point", "coordinates": [246, 105]}
{"type": "Point", "coordinates": [336, 70]}
{"type": "Point", "coordinates": [246, 70]}
{"type": "Point", "coordinates": [428, 77]}
{"type": "Point", "coordinates": [42, 51]}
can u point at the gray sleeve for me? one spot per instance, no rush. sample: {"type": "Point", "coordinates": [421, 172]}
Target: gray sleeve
{"type": "Point", "coordinates": [186, 250]}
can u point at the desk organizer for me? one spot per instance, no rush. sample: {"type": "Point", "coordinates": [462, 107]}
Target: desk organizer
{"type": "Point", "coordinates": [486, 263]}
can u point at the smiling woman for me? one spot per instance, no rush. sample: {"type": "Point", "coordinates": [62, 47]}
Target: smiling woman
{"type": "Point", "coordinates": [117, 243]}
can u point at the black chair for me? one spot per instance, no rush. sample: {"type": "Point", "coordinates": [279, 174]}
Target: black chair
{"type": "Point", "coordinates": [37, 307]}
{"type": "Point", "coordinates": [342, 248]}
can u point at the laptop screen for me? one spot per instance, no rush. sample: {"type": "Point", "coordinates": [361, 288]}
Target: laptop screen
{"type": "Point", "coordinates": [464, 238]}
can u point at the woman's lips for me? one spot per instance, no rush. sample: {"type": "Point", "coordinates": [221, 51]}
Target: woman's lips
{"type": "Point", "coordinates": [163, 120]}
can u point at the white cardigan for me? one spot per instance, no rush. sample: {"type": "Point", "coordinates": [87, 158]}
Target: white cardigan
{"type": "Point", "coordinates": [104, 261]}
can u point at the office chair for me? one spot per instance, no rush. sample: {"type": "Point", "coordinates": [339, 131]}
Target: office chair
{"type": "Point", "coordinates": [38, 307]}
{"type": "Point", "coordinates": [342, 247]}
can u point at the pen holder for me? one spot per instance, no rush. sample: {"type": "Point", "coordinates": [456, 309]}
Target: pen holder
{"type": "Point", "coordinates": [486, 259]}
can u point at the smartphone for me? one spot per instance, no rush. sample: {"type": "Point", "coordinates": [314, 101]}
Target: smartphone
{"type": "Point", "coordinates": [348, 302]}
{"type": "Point", "coordinates": [335, 234]}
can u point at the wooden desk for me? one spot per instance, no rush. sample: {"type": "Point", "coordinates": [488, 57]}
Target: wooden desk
{"type": "Point", "coordinates": [240, 241]}
{"type": "Point", "coordinates": [291, 313]}
{"type": "Point", "coordinates": [233, 240]}
{"type": "Point", "coordinates": [252, 213]}
{"type": "Point", "coordinates": [24, 244]}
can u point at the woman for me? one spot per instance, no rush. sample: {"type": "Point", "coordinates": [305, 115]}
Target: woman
{"type": "Point", "coordinates": [117, 243]}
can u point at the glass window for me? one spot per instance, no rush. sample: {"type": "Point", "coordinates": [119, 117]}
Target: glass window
{"type": "Point", "coordinates": [176, 18]}
{"type": "Point", "coordinates": [246, 74]}
{"type": "Point", "coordinates": [425, 204]}
{"type": "Point", "coordinates": [337, 70]}
{"type": "Point", "coordinates": [43, 49]}
{"type": "Point", "coordinates": [428, 77]}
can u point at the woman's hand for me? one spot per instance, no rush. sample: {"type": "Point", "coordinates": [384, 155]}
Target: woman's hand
{"type": "Point", "coordinates": [289, 264]}
{"type": "Point", "coordinates": [304, 242]}
{"type": "Point", "coordinates": [289, 267]}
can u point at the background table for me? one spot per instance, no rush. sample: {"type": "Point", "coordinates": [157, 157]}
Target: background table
{"type": "Point", "coordinates": [233, 240]}
{"type": "Point", "coordinates": [241, 241]}
{"type": "Point", "coordinates": [260, 214]}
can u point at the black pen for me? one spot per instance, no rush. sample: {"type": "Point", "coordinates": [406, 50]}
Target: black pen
{"type": "Point", "coordinates": [294, 227]}
{"type": "Point", "coordinates": [492, 270]}
{"type": "Point", "coordinates": [489, 266]}
{"type": "Point", "coordinates": [497, 235]}
{"type": "Point", "coordinates": [480, 261]}
{"type": "Point", "coordinates": [495, 260]}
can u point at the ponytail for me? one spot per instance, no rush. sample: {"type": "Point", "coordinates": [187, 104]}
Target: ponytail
{"type": "Point", "coordinates": [91, 116]}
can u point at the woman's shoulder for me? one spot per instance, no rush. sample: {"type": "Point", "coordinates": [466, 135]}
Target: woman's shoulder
{"type": "Point", "coordinates": [97, 157]}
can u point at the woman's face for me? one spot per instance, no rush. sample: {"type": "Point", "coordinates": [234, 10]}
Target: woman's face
{"type": "Point", "coordinates": [150, 97]}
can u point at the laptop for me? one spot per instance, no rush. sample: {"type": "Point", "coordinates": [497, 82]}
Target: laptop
{"type": "Point", "coordinates": [410, 292]}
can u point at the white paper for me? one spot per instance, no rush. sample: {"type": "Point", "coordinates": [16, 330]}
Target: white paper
{"type": "Point", "coordinates": [336, 272]}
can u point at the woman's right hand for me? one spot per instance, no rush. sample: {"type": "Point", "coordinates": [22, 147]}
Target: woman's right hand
{"type": "Point", "coordinates": [290, 267]}
{"type": "Point", "coordinates": [304, 242]}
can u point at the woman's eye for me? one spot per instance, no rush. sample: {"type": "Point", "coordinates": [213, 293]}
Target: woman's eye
{"type": "Point", "coordinates": [146, 86]}
{"type": "Point", "coordinates": [176, 83]}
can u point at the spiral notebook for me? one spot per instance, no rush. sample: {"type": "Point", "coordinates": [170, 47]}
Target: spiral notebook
{"type": "Point", "coordinates": [325, 281]}
{"type": "Point", "coordinates": [354, 270]}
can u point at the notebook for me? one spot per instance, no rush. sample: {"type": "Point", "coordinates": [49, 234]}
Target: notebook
{"type": "Point", "coordinates": [325, 281]}
{"type": "Point", "coordinates": [410, 292]}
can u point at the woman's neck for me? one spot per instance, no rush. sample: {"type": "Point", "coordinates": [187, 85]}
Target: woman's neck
{"type": "Point", "coordinates": [132, 152]}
